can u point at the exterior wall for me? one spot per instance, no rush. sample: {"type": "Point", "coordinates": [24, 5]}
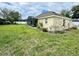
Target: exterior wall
{"type": "Point", "coordinates": [40, 21]}
{"type": "Point", "coordinates": [49, 23]}
{"type": "Point", "coordinates": [68, 24]}
{"type": "Point", "coordinates": [56, 23]}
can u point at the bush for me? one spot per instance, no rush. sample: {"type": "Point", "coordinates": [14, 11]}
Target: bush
{"type": "Point", "coordinates": [32, 21]}
{"type": "Point", "coordinates": [44, 30]}
{"type": "Point", "coordinates": [38, 27]}
{"type": "Point", "coordinates": [61, 32]}
{"type": "Point", "coordinates": [41, 25]}
{"type": "Point", "coordinates": [74, 27]}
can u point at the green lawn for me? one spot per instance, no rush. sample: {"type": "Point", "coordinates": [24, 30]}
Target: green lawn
{"type": "Point", "coordinates": [24, 40]}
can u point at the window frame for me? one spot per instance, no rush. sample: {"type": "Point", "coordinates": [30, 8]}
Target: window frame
{"type": "Point", "coordinates": [46, 21]}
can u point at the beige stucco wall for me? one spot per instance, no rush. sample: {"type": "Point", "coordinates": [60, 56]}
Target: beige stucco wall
{"type": "Point", "coordinates": [55, 22]}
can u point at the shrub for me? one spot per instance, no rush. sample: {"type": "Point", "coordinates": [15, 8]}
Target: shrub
{"type": "Point", "coordinates": [41, 25]}
{"type": "Point", "coordinates": [32, 21]}
{"type": "Point", "coordinates": [74, 27]}
{"type": "Point", "coordinates": [61, 32]}
{"type": "Point", "coordinates": [44, 30]}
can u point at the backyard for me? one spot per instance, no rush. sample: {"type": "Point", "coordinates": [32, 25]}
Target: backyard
{"type": "Point", "coordinates": [24, 40]}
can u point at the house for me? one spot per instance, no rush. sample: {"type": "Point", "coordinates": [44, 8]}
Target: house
{"type": "Point", "coordinates": [76, 23]}
{"type": "Point", "coordinates": [52, 21]}
{"type": "Point", "coordinates": [21, 21]}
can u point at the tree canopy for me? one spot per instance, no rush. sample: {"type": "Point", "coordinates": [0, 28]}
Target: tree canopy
{"type": "Point", "coordinates": [75, 10]}
{"type": "Point", "coordinates": [9, 15]}
{"type": "Point", "coordinates": [65, 13]}
{"type": "Point", "coordinates": [32, 21]}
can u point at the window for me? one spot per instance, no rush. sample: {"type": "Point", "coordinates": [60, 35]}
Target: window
{"type": "Point", "coordinates": [46, 20]}
{"type": "Point", "coordinates": [64, 22]}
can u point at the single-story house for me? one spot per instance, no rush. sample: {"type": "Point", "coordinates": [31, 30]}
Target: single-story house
{"type": "Point", "coordinates": [52, 21]}
{"type": "Point", "coordinates": [21, 22]}
{"type": "Point", "coordinates": [76, 23]}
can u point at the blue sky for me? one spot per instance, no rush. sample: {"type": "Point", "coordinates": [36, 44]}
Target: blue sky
{"type": "Point", "coordinates": [35, 8]}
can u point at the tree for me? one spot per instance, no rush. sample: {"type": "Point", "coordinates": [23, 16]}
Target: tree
{"type": "Point", "coordinates": [2, 21]}
{"type": "Point", "coordinates": [14, 16]}
{"type": "Point", "coordinates": [32, 21]}
{"type": "Point", "coordinates": [10, 15]}
{"type": "Point", "coordinates": [66, 13]}
{"type": "Point", "coordinates": [75, 11]}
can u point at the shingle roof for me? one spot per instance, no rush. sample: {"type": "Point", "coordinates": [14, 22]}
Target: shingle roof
{"type": "Point", "coordinates": [46, 14]}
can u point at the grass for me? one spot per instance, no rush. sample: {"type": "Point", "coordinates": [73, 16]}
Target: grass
{"type": "Point", "coordinates": [22, 40]}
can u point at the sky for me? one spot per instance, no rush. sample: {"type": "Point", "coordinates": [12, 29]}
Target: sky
{"type": "Point", "coordinates": [35, 8]}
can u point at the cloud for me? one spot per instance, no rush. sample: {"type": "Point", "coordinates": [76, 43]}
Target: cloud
{"type": "Point", "coordinates": [75, 3]}
{"type": "Point", "coordinates": [35, 8]}
{"type": "Point", "coordinates": [7, 3]}
{"type": "Point", "coordinates": [23, 3]}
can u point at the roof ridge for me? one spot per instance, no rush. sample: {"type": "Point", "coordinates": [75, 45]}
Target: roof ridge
{"type": "Point", "coordinates": [47, 14]}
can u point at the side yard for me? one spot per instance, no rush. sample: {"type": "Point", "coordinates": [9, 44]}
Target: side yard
{"type": "Point", "coordinates": [24, 40]}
